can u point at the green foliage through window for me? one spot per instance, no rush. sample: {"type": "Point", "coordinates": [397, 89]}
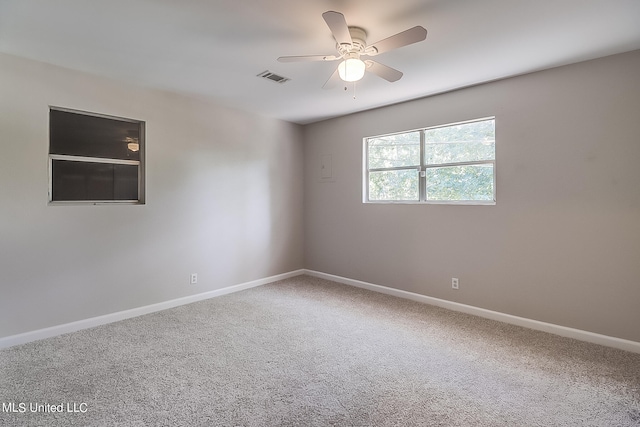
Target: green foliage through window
{"type": "Point", "coordinates": [451, 163]}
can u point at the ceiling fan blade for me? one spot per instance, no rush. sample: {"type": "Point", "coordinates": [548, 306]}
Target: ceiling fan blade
{"type": "Point", "coordinates": [332, 81]}
{"type": "Point", "coordinates": [307, 58]}
{"type": "Point", "coordinates": [410, 36]}
{"type": "Point", "coordinates": [338, 26]}
{"type": "Point", "coordinates": [381, 70]}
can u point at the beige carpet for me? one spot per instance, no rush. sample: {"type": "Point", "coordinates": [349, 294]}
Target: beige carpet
{"type": "Point", "coordinates": [308, 352]}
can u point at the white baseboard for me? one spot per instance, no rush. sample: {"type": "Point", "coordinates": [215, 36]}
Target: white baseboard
{"type": "Point", "coordinates": [53, 331]}
{"type": "Point", "coordinates": [578, 334]}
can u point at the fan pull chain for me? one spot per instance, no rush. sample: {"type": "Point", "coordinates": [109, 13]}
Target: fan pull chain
{"type": "Point", "coordinates": [354, 89]}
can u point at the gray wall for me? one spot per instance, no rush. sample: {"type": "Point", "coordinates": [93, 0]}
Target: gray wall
{"type": "Point", "coordinates": [224, 199]}
{"type": "Point", "coordinates": [562, 245]}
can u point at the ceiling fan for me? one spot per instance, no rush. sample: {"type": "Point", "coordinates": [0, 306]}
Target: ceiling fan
{"type": "Point", "coordinates": [352, 46]}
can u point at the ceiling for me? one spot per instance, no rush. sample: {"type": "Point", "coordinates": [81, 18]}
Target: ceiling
{"type": "Point", "coordinates": [215, 48]}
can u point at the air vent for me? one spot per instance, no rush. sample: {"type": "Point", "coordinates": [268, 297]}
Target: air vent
{"type": "Point", "coordinates": [273, 77]}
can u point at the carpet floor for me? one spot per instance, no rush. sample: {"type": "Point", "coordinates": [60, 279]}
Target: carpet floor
{"type": "Point", "coordinates": [309, 352]}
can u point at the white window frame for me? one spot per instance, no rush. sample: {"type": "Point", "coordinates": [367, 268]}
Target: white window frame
{"type": "Point", "coordinates": [422, 168]}
{"type": "Point", "coordinates": [85, 159]}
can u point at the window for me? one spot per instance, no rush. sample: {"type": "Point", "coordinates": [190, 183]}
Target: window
{"type": "Point", "coordinates": [95, 158]}
{"type": "Point", "coordinates": [444, 164]}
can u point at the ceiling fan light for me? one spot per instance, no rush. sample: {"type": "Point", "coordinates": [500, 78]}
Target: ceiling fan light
{"type": "Point", "coordinates": [132, 143]}
{"type": "Point", "coordinates": [351, 69]}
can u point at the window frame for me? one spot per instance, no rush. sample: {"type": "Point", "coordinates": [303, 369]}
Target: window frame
{"type": "Point", "coordinates": [87, 159]}
{"type": "Point", "coordinates": [423, 166]}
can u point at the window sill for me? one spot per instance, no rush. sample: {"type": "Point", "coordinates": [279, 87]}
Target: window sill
{"type": "Point", "coordinates": [432, 202]}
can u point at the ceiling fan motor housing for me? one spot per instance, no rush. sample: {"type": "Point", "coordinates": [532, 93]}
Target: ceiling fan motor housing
{"type": "Point", "coordinates": [357, 46]}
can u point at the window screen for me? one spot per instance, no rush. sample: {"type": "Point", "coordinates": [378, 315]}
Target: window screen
{"type": "Point", "coordinates": [95, 158]}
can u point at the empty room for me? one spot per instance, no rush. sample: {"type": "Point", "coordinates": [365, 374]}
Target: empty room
{"type": "Point", "coordinates": [347, 213]}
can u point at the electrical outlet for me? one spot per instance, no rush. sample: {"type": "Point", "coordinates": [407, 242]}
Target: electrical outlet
{"type": "Point", "coordinates": [455, 283]}
{"type": "Point", "coordinates": [194, 278]}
